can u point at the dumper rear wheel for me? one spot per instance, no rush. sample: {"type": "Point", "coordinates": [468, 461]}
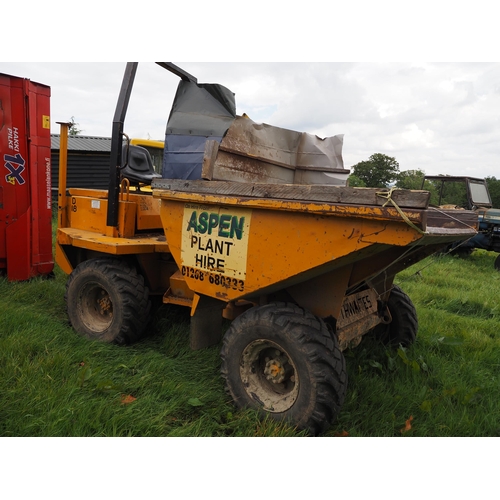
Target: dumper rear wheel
{"type": "Point", "coordinates": [107, 300]}
{"type": "Point", "coordinates": [284, 362]}
{"type": "Point", "coordinates": [404, 325]}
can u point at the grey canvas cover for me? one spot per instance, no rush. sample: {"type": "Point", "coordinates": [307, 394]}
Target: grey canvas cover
{"type": "Point", "coordinates": [204, 109]}
{"type": "Point", "coordinates": [199, 112]}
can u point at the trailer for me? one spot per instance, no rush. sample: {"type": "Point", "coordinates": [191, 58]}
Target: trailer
{"type": "Point", "coordinates": [470, 193]}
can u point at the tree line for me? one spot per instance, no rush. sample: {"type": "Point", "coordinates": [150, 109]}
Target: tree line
{"type": "Point", "coordinates": [381, 170]}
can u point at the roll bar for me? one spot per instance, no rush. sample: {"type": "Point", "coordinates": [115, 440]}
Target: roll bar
{"type": "Point", "coordinates": [117, 132]}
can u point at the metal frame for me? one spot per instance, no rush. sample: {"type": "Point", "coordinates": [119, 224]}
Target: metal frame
{"type": "Point", "coordinates": [117, 132]}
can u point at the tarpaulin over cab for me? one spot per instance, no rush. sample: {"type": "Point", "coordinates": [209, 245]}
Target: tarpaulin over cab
{"type": "Point", "coordinates": [199, 112]}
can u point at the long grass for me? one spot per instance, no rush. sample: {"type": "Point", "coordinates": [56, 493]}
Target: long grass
{"type": "Point", "coordinates": [56, 383]}
{"type": "Point", "coordinates": [448, 382]}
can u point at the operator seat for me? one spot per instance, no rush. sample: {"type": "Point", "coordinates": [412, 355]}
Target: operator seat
{"type": "Point", "coordinates": [137, 165]}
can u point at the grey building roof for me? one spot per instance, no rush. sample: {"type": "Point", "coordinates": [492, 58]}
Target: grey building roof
{"type": "Point", "coordinates": [83, 143]}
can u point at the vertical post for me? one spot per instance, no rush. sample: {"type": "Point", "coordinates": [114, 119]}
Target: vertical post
{"type": "Point", "coordinates": [62, 215]}
{"type": "Point", "coordinates": [116, 144]}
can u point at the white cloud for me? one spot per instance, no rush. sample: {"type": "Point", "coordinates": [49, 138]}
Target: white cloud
{"type": "Point", "coordinates": [439, 117]}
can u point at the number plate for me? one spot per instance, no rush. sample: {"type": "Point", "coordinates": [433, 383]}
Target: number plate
{"type": "Point", "coordinates": [357, 306]}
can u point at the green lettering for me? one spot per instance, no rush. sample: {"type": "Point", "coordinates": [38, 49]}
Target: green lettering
{"type": "Point", "coordinates": [237, 227]}
{"type": "Point", "coordinates": [213, 222]}
{"type": "Point", "coordinates": [192, 223]}
{"type": "Point", "coordinates": [203, 223]}
{"type": "Point", "coordinates": [224, 222]}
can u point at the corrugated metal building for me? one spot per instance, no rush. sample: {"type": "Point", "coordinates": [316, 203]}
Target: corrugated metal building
{"type": "Point", "coordinates": [88, 161]}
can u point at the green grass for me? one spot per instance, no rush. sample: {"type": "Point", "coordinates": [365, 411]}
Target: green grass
{"type": "Point", "coordinates": [449, 380]}
{"type": "Point", "coordinates": [55, 383]}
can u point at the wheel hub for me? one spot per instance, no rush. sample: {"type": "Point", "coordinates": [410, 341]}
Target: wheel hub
{"type": "Point", "coordinates": [104, 303]}
{"type": "Point", "coordinates": [269, 376]}
{"type": "Point", "coordinates": [275, 368]}
{"type": "Point", "coordinates": [96, 309]}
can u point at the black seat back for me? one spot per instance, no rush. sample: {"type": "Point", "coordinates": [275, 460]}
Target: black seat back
{"type": "Point", "coordinates": [137, 165]}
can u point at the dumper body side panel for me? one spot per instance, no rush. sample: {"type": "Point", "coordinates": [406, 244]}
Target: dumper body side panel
{"type": "Point", "coordinates": [229, 252]}
{"type": "Point", "coordinates": [242, 251]}
{"type": "Point", "coordinates": [232, 247]}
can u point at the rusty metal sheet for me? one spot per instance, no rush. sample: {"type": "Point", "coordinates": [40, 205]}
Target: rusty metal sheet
{"type": "Point", "coordinates": [281, 146]}
{"type": "Point", "coordinates": [260, 150]}
{"type": "Point", "coordinates": [239, 168]}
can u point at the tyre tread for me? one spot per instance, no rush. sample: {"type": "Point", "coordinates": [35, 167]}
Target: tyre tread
{"type": "Point", "coordinates": [131, 288]}
{"type": "Point", "coordinates": [403, 330]}
{"type": "Point", "coordinates": [325, 358]}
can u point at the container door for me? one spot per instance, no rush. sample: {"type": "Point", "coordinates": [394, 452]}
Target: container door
{"type": "Point", "coordinates": [25, 211]}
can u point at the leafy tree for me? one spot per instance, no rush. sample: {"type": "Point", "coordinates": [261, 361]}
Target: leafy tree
{"type": "Point", "coordinates": [410, 179]}
{"type": "Point", "coordinates": [378, 171]}
{"type": "Point", "coordinates": [455, 193]}
{"type": "Point", "coordinates": [494, 189]}
{"type": "Point", "coordinates": [355, 181]}
{"type": "Point", "coordinates": [73, 127]}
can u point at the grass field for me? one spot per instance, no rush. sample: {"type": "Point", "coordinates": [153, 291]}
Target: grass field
{"type": "Point", "coordinates": [55, 383]}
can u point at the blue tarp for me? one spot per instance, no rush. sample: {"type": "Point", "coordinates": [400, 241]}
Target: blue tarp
{"type": "Point", "coordinates": [200, 112]}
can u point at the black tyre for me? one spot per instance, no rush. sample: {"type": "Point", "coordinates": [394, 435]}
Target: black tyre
{"type": "Point", "coordinates": [107, 300]}
{"type": "Point", "coordinates": [283, 361]}
{"type": "Point", "coordinates": [404, 325]}
{"type": "Point", "coordinates": [462, 252]}
{"type": "Point", "coordinates": [497, 263]}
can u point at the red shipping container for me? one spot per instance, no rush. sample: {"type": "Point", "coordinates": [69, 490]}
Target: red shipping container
{"type": "Point", "coordinates": [25, 187]}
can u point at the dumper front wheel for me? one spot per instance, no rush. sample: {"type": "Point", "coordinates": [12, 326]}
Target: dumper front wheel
{"type": "Point", "coordinates": [107, 300]}
{"type": "Point", "coordinates": [284, 362]}
{"type": "Point", "coordinates": [404, 325]}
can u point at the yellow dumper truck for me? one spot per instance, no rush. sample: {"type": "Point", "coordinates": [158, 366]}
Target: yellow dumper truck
{"type": "Point", "coordinates": [254, 224]}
